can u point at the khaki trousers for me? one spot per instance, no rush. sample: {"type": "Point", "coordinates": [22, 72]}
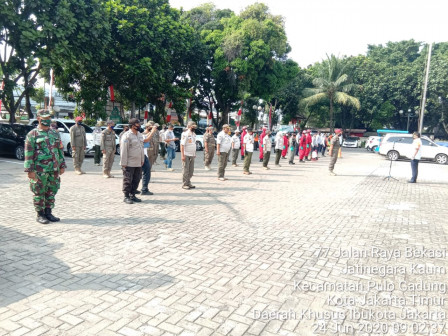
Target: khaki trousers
{"type": "Point", "coordinates": [334, 158]}
{"type": "Point", "coordinates": [187, 170]}
{"type": "Point", "coordinates": [222, 163]}
{"type": "Point", "coordinates": [235, 155]}
{"type": "Point", "coordinates": [247, 161]}
{"type": "Point", "coordinates": [78, 157]}
{"type": "Point", "coordinates": [266, 157]}
{"type": "Point", "coordinates": [208, 156]}
{"type": "Point", "coordinates": [108, 160]}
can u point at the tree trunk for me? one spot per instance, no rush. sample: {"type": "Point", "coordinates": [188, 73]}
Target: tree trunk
{"type": "Point", "coordinates": [133, 110]}
{"type": "Point", "coordinates": [331, 115]}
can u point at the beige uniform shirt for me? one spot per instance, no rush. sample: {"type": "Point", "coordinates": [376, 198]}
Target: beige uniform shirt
{"type": "Point", "coordinates": [108, 140]}
{"type": "Point", "coordinates": [78, 136]}
{"type": "Point", "coordinates": [131, 150]}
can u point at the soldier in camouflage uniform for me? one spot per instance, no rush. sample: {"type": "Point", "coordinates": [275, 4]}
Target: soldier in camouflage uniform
{"type": "Point", "coordinates": [108, 148]}
{"type": "Point", "coordinates": [209, 147]}
{"type": "Point", "coordinates": [44, 163]}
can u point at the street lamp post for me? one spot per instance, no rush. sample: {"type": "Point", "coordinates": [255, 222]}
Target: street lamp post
{"type": "Point", "coordinates": [409, 114]}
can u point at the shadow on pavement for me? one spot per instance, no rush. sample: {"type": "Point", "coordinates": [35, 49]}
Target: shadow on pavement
{"type": "Point", "coordinates": [28, 266]}
{"type": "Point", "coordinates": [95, 221]}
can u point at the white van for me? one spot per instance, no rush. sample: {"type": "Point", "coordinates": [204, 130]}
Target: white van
{"type": "Point", "coordinates": [396, 146]}
{"type": "Point", "coordinates": [64, 126]}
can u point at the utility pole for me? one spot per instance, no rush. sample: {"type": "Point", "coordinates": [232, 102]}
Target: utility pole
{"type": "Point", "coordinates": [422, 108]}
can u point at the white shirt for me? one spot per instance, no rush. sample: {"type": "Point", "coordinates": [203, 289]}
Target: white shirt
{"type": "Point", "coordinates": [97, 136]}
{"type": "Point", "coordinates": [236, 142]}
{"type": "Point", "coordinates": [279, 142]}
{"type": "Point", "coordinates": [224, 141]}
{"type": "Point", "coordinates": [249, 142]}
{"type": "Point", "coordinates": [417, 144]}
{"type": "Point", "coordinates": [267, 144]}
{"type": "Point", "coordinates": [188, 140]}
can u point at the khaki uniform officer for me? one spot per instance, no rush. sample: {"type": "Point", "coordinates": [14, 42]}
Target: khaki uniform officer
{"type": "Point", "coordinates": [248, 143]}
{"type": "Point", "coordinates": [78, 142]}
{"type": "Point", "coordinates": [209, 147]}
{"type": "Point", "coordinates": [108, 149]}
{"type": "Point", "coordinates": [132, 158]}
{"type": "Point", "coordinates": [267, 148]}
{"type": "Point", "coordinates": [236, 144]}
{"type": "Point", "coordinates": [334, 150]}
{"type": "Point", "coordinates": [188, 153]}
{"type": "Point", "coordinates": [224, 143]}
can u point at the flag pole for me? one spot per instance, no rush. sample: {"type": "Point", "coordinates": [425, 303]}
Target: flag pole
{"type": "Point", "coordinates": [422, 108]}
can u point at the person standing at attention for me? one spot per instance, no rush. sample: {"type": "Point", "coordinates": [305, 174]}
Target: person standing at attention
{"type": "Point", "coordinates": [188, 154]}
{"type": "Point", "coordinates": [224, 143]}
{"type": "Point", "coordinates": [416, 155]}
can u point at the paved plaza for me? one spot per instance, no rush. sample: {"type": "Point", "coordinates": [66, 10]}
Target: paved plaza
{"type": "Point", "coordinates": [288, 251]}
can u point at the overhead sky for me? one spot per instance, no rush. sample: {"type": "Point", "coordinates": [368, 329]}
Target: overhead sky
{"type": "Point", "coordinates": [346, 27]}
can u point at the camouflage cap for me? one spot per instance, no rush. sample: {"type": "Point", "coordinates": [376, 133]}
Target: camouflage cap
{"type": "Point", "coordinates": [43, 113]}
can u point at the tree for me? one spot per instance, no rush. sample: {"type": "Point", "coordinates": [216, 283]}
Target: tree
{"type": "Point", "coordinates": [39, 96]}
{"type": "Point", "coordinates": [246, 56]}
{"type": "Point", "coordinates": [39, 34]}
{"type": "Point", "coordinates": [331, 85]}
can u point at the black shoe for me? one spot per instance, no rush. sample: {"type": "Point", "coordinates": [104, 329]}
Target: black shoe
{"type": "Point", "coordinates": [261, 160]}
{"type": "Point", "coordinates": [242, 157]}
{"type": "Point", "coordinates": [147, 192]}
{"type": "Point", "coordinates": [50, 217]}
{"type": "Point", "coordinates": [128, 200]}
{"type": "Point", "coordinates": [410, 181]}
{"type": "Point", "coordinates": [192, 186]}
{"type": "Point", "coordinates": [137, 192]}
{"type": "Point", "coordinates": [41, 218]}
{"type": "Point", "coordinates": [135, 199]}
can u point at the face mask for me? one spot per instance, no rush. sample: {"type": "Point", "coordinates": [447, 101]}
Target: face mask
{"type": "Point", "coordinates": [193, 130]}
{"type": "Point", "coordinates": [112, 127]}
{"type": "Point", "coordinates": [45, 122]}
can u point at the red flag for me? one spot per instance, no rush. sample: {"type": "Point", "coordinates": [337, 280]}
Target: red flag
{"type": "Point", "coordinates": [170, 105]}
{"type": "Point", "coordinates": [240, 112]}
{"type": "Point", "coordinates": [146, 115]}
{"type": "Point", "coordinates": [111, 91]}
{"type": "Point", "coordinates": [168, 118]}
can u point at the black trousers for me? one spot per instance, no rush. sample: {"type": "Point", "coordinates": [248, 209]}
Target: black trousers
{"type": "Point", "coordinates": [414, 167]}
{"type": "Point", "coordinates": [131, 179]}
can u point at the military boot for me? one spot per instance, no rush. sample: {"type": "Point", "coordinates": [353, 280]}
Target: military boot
{"type": "Point", "coordinates": [127, 199]}
{"type": "Point", "coordinates": [50, 217]}
{"type": "Point", "coordinates": [41, 217]}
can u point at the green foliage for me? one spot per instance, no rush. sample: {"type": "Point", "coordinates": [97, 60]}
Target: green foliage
{"type": "Point", "coordinates": [331, 84]}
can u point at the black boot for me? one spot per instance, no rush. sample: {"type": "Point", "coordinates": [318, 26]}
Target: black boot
{"type": "Point", "coordinates": [127, 199]}
{"type": "Point", "coordinates": [41, 217]}
{"type": "Point", "coordinates": [50, 217]}
{"type": "Point", "coordinates": [135, 199]}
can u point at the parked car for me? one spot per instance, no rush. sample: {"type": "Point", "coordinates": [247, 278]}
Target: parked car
{"type": "Point", "coordinates": [372, 143]}
{"type": "Point", "coordinates": [396, 146]}
{"type": "Point", "coordinates": [64, 126]}
{"type": "Point", "coordinates": [352, 142]}
{"type": "Point", "coordinates": [12, 139]}
{"type": "Point", "coordinates": [118, 128]}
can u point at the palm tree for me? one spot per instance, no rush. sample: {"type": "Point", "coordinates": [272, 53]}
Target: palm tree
{"type": "Point", "coordinates": [330, 85]}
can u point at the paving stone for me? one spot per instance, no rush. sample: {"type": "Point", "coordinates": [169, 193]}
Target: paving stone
{"type": "Point", "coordinates": [201, 262]}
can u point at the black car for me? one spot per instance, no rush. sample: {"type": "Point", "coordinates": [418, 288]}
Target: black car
{"type": "Point", "coordinates": [12, 139]}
